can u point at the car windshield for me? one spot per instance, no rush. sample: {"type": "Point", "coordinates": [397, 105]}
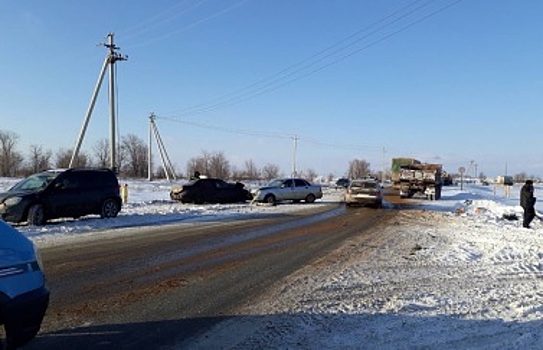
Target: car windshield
{"type": "Point", "coordinates": [35, 182]}
{"type": "Point", "coordinates": [276, 183]}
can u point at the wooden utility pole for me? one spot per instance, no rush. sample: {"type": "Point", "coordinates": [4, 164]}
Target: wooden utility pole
{"type": "Point", "coordinates": [109, 61]}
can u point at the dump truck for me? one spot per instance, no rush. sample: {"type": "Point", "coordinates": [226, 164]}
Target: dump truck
{"type": "Point", "coordinates": [397, 163]}
{"type": "Point", "coordinates": [416, 177]}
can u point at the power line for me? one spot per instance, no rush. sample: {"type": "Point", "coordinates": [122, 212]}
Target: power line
{"type": "Point", "coordinates": [275, 135]}
{"type": "Point", "coordinates": [187, 27]}
{"type": "Point", "coordinates": [303, 69]}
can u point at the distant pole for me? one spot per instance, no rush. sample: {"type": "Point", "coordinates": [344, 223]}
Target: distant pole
{"type": "Point", "coordinates": [150, 155]}
{"type": "Point", "coordinates": [383, 173]}
{"type": "Point", "coordinates": [295, 139]}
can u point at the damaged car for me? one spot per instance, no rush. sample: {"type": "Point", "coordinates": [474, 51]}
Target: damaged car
{"type": "Point", "coordinates": [209, 190]}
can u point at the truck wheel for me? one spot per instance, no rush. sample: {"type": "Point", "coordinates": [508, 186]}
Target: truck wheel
{"type": "Point", "coordinates": [36, 215]}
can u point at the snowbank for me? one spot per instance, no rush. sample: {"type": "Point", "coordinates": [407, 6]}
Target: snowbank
{"type": "Point", "coordinates": [456, 273]}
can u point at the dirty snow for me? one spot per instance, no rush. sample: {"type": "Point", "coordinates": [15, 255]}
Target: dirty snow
{"type": "Point", "coordinates": [451, 274]}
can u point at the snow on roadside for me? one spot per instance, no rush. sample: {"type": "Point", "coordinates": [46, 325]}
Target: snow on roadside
{"type": "Point", "coordinates": [452, 274]}
{"type": "Point", "coordinates": [455, 273]}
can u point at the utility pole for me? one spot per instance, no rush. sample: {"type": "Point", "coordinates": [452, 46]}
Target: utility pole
{"type": "Point", "coordinates": [295, 140]}
{"type": "Point", "coordinates": [164, 158]}
{"type": "Point", "coordinates": [384, 167]}
{"type": "Point", "coordinates": [110, 60]}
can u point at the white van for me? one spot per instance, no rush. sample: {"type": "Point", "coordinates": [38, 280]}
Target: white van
{"type": "Point", "coordinates": [23, 295]}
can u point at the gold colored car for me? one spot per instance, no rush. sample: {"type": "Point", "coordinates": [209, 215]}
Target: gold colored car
{"type": "Point", "coordinates": [364, 192]}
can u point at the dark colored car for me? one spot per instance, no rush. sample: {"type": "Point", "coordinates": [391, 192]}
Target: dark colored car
{"type": "Point", "coordinates": [55, 194]}
{"type": "Point", "coordinates": [209, 190]}
{"type": "Point", "coordinates": [342, 183]}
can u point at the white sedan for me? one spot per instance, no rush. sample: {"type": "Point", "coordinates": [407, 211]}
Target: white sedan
{"type": "Point", "coordinates": [288, 189]}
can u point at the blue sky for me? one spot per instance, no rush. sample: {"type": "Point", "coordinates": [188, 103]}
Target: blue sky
{"type": "Point", "coordinates": [445, 81]}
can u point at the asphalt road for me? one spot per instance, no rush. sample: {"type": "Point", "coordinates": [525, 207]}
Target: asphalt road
{"type": "Point", "coordinates": [155, 286]}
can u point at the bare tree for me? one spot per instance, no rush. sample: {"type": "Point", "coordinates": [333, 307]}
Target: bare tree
{"type": "Point", "coordinates": [270, 171]}
{"type": "Point", "coordinates": [210, 164]}
{"type": "Point", "coordinates": [63, 157]}
{"type": "Point", "coordinates": [219, 166]}
{"type": "Point", "coordinates": [38, 159]}
{"type": "Point", "coordinates": [10, 159]}
{"type": "Point", "coordinates": [134, 151]}
{"type": "Point", "coordinates": [310, 175]}
{"type": "Point", "coordinates": [358, 168]}
{"type": "Point", "coordinates": [102, 153]}
{"type": "Point", "coordinates": [251, 171]}
{"type": "Point", "coordinates": [236, 174]}
{"type": "Point", "coordinates": [520, 177]}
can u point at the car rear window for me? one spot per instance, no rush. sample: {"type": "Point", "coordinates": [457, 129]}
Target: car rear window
{"type": "Point", "coordinates": [364, 184]}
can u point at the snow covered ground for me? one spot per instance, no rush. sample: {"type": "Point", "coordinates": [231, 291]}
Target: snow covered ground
{"type": "Point", "coordinates": [449, 274]}
{"type": "Point", "coordinates": [453, 274]}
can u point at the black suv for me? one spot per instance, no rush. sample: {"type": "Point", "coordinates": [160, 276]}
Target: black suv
{"type": "Point", "coordinates": [62, 193]}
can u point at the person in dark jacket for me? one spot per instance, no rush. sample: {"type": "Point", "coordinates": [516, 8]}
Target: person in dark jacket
{"type": "Point", "coordinates": [527, 202]}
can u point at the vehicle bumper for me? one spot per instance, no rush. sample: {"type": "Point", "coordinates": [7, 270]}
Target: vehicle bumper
{"type": "Point", "coordinates": [363, 200]}
{"type": "Point", "coordinates": [13, 213]}
{"type": "Point", "coordinates": [22, 316]}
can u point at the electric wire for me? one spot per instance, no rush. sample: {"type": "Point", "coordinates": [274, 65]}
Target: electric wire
{"type": "Point", "coordinates": [290, 75]}
{"type": "Point", "coordinates": [304, 64]}
{"type": "Point", "coordinates": [188, 26]}
{"type": "Point", "coordinates": [170, 14]}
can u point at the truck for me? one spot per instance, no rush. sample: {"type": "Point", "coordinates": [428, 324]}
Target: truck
{"type": "Point", "coordinates": [397, 163]}
{"type": "Point", "coordinates": [415, 177]}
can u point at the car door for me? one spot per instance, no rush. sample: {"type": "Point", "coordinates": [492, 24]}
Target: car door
{"type": "Point", "coordinates": [220, 191]}
{"type": "Point", "coordinates": [64, 198]}
{"type": "Point", "coordinates": [285, 191]}
{"type": "Point", "coordinates": [301, 189]}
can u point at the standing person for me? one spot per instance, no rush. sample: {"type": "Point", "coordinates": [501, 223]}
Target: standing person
{"type": "Point", "coordinates": [527, 202]}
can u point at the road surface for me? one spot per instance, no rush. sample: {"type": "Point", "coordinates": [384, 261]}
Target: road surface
{"type": "Point", "coordinates": [151, 287]}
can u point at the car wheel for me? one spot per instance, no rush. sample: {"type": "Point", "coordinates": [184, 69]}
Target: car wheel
{"type": "Point", "coordinates": [110, 208]}
{"type": "Point", "coordinates": [270, 199]}
{"type": "Point", "coordinates": [36, 215]}
{"type": "Point", "coordinates": [310, 198]}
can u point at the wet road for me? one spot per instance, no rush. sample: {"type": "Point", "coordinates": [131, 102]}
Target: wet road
{"type": "Point", "coordinates": [148, 288]}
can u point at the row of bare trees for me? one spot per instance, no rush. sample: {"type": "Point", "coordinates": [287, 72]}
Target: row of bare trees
{"type": "Point", "coordinates": [132, 161]}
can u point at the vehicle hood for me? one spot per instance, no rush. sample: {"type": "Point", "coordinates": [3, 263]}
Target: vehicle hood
{"type": "Point", "coordinates": [8, 194]}
{"type": "Point", "coordinates": [267, 188]}
{"type": "Point", "coordinates": [14, 247]}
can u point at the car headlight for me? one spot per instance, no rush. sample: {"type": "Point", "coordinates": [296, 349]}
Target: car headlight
{"type": "Point", "coordinates": [11, 201]}
{"type": "Point", "coordinates": [38, 257]}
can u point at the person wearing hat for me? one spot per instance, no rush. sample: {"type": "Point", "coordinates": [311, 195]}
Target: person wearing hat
{"type": "Point", "coordinates": [527, 202]}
